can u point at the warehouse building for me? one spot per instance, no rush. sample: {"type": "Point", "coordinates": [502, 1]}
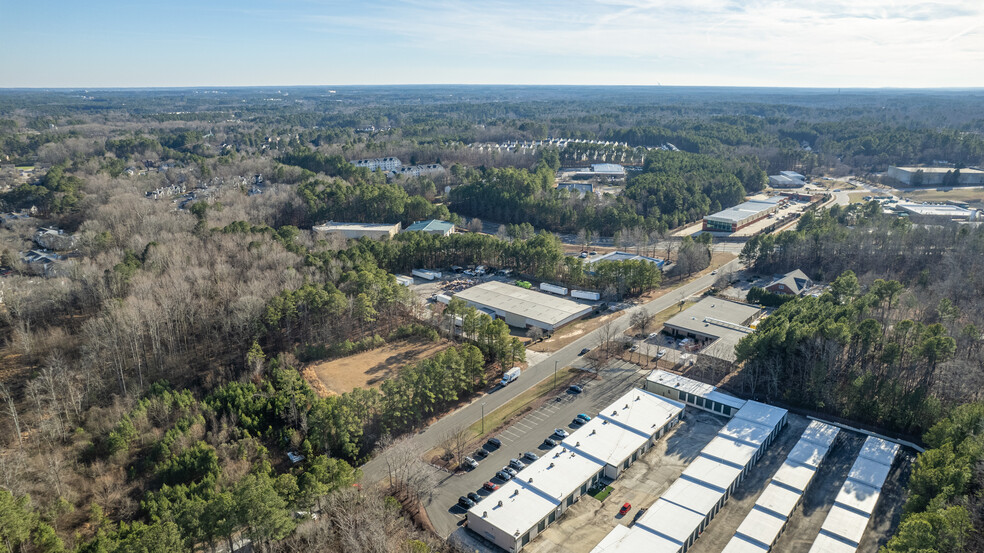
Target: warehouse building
{"type": "Point", "coordinates": [787, 179]}
{"type": "Point", "coordinates": [522, 308]}
{"type": "Point", "coordinates": [934, 176]}
{"type": "Point", "coordinates": [622, 432]}
{"type": "Point", "coordinates": [432, 226]}
{"type": "Point", "coordinates": [768, 517]}
{"type": "Point", "coordinates": [930, 213]}
{"type": "Point", "coordinates": [675, 521]}
{"type": "Point", "coordinates": [715, 325]}
{"type": "Point", "coordinates": [692, 392]}
{"type": "Point", "coordinates": [742, 215]}
{"type": "Point", "coordinates": [848, 519]}
{"type": "Point", "coordinates": [625, 256]}
{"type": "Point", "coordinates": [359, 230]}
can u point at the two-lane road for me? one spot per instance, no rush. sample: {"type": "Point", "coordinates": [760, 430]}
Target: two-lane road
{"type": "Point", "coordinates": [375, 470]}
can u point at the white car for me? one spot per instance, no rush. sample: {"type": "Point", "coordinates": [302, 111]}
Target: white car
{"type": "Point", "coordinates": [561, 432]}
{"type": "Point", "coordinates": [660, 353]}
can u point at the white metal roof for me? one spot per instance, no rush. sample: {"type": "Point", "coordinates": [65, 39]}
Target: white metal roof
{"type": "Point", "coordinates": [845, 523]}
{"type": "Point", "coordinates": [761, 526]}
{"type": "Point", "coordinates": [692, 495]}
{"type": "Point", "coordinates": [743, 430]}
{"type": "Point", "coordinates": [827, 544]}
{"type": "Point", "coordinates": [879, 450]}
{"type": "Point", "coordinates": [337, 227]}
{"type": "Point", "coordinates": [743, 210]}
{"type": "Point", "coordinates": [820, 433]}
{"type": "Point", "coordinates": [670, 520]}
{"type": "Point", "coordinates": [524, 503]}
{"type": "Point", "coordinates": [739, 544]}
{"type": "Point", "coordinates": [856, 495]}
{"type": "Point", "coordinates": [730, 451]}
{"type": "Point", "coordinates": [623, 539]}
{"type": "Point", "coordinates": [711, 472]}
{"type": "Point", "coordinates": [807, 453]}
{"type": "Point", "coordinates": [794, 475]}
{"type": "Point", "coordinates": [869, 472]}
{"type": "Point", "coordinates": [694, 387]}
{"type": "Point", "coordinates": [778, 500]}
{"type": "Point", "coordinates": [624, 426]}
{"type": "Point", "coordinates": [545, 308]}
{"type": "Point", "coordinates": [760, 413]}
{"type": "Point", "coordinates": [562, 470]}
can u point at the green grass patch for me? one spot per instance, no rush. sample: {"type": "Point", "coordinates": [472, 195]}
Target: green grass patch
{"type": "Point", "coordinates": [600, 493]}
{"type": "Point", "coordinates": [497, 418]}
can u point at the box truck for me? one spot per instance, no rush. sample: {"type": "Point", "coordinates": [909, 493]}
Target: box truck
{"type": "Point", "coordinates": [511, 374]}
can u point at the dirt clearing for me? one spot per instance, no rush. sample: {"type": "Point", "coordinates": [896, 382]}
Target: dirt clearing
{"type": "Point", "coordinates": [369, 368]}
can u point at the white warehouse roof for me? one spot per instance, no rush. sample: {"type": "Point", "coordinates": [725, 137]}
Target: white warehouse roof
{"type": "Point", "coordinates": [623, 427]}
{"type": "Point", "coordinates": [846, 524]}
{"type": "Point", "coordinates": [694, 387]}
{"type": "Point", "coordinates": [828, 544]}
{"type": "Point", "coordinates": [761, 527]}
{"type": "Point", "coordinates": [606, 439]}
{"type": "Point", "coordinates": [744, 210]}
{"type": "Point", "coordinates": [623, 539]}
{"type": "Point", "coordinates": [544, 308]}
{"type": "Point", "coordinates": [667, 519]}
{"type": "Point", "coordinates": [856, 495]}
{"type": "Point", "coordinates": [794, 475]}
{"type": "Point", "coordinates": [879, 450]}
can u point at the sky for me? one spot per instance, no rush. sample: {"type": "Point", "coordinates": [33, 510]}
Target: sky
{"type": "Point", "coordinates": [803, 43]}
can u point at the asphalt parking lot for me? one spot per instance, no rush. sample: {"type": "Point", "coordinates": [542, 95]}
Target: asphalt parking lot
{"type": "Point", "coordinates": [527, 434]}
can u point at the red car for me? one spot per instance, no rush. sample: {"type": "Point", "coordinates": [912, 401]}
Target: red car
{"type": "Point", "coordinates": [490, 486]}
{"type": "Point", "coordinates": [625, 509]}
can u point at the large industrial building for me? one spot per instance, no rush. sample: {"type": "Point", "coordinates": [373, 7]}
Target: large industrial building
{"type": "Point", "coordinates": [934, 176]}
{"type": "Point", "coordinates": [359, 230]}
{"type": "Point", "coordinates": [522, 308]}
{"type": "Point", "coordinates": [716, 325]}
{"type": "Point", "coordinates": [625, 256]}
{"type": "Point", "coordinates": [675, 521]}
{"type": "Point", "coordinates": [787, 179]}
{"type": "Point", "coordinates": [608, 444]}
{"type": "Point", "coordinates": [925, 212]}
{"type": "Point", "coordinates": [742, 215]}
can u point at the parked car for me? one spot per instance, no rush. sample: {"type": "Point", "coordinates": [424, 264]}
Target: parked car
{"type": "Point", "coordinates": [551, 442]}
{"type": "Point", "coordinates": [465, 502]}
{"type": "Point", "coordinates": [660, 353]}
{"type": "Point", "coordinates": [578, 421]}
{"type": "Point", "coordinates": [469, 462]}
{"type": "Point", "coordinates": [583, 255]}
{"type": "Point", "coordinates": [490, 486]}
{"type": "Point", "coordinates": [517, 464]}
{"type": "Point", "coordinates": [714, 272]}
{"type": "Point", "coordinates": [495, 441]}
{"type": "Point", "coordinates": [584, 351]}
{"type": "Point", "coordinates": [653, 335]}
{"type": "Point", "coordinates": [561, 432]}
{"type": "Point", "coordinates": [638, 514]}
{"type": "Point", "coordinates": [576, 389]}
{"type": "Point", "coordinates": [634, 347]}
{"type": "Point", "coordinates": [481, 452]}
{"type": "Point", "coordinates": [510, 471]}
{"type": "Point", "coordinates": [503, 475]}
{"type": "Point", "coordinates": [474, 497]}
{"type": "Point", "coordinates": [625, 509]}
{"type": "Point", "coordinates": [583, 417]}
{"type": "Point", "coordinates": [531, 456]}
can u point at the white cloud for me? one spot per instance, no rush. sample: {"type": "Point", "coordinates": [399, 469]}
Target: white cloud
{"type": "Point", "coordinates": [817, 43]}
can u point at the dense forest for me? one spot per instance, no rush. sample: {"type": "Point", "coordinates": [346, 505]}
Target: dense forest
{"type": "Point", "coordinates": [896, 342]}
{"type": "Point", "coordinates": [150, 384]}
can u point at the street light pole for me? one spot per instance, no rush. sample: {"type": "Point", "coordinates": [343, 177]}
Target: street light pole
{"type": "Point", "coordinates": [483, 417]}
{"type": "Point", "coordinates": [555, 374]}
